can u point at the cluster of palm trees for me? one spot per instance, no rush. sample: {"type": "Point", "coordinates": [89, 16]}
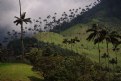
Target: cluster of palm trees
{"type": "Point", "coordinates": [100, 33]}
{"type": "Point", "coordinates": [71, 42]}
{"type": "Point", "coordinates": [54, 24]}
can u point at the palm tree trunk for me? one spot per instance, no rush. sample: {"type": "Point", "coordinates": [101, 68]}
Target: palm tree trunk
{"type": "Point", "coordinates": [20, 7]}
{"type": "Point", "coordinates": [99, 49]}
{"type": "Point", "coordinates": [99, 52]}
{"type": "Point", "coordinates": [105, 62]}
{"type": "Point", "coordinates": [113, 69]}
{"type": "Point", "coordinates": [38, 45]}
{"type": "Point", "coordinates": [116, 59]}
{"type": "Point", "coordinates": [108, 61]}
{"type": "Point", "coordinates": [77, 50]}
{"type": "Point", "coordinates": [22, 43]}
{"type": "Point", "coordinates": [71, 46]}
{"type": "Point", "coordinates": [84, 67]}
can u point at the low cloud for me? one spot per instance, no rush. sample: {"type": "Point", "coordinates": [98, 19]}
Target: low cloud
{"type": "Point", "coordinates": [35, 9]}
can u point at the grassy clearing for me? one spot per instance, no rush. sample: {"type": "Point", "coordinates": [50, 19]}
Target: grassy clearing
{"type": "Point", "coordinates": [18, 72]}
{"type": "Point", "coordinates": [49, 37]}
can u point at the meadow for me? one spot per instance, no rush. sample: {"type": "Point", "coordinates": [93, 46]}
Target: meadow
{"type": "Point", "coordinates": [18, 72]}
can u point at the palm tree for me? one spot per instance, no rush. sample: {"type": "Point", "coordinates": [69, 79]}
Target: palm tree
{"type": "Point", "coordinates": [72, 42]}
{"type": "Point", "coordinates": [113, 61]}
{"type": "Point", "coordinates": [95, 36]}
{"type": "Point", "coordinates": [76, 39]}
{"type": "Point", "coordinates": [65, 41]}
{"type": "Point", "coordinates": [20, 20]}
{"type": "Point", "coordinates": [116, 49]}
{"type": "Point", "coordinates": [110, 37]}
{"type": "Point", "coordinates": [105, 56]}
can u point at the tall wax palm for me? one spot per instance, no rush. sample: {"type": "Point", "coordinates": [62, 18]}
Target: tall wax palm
{"type": "Point", "coordinates": [65, 41]}
{"type": "Point", "coordinates": [113, 61]}
{"type": "Point", "coordinates": [72, 42]}
{"type": "Point", "coordinates": [95, 36]}
{"type": "Point", "coordinates": [20, 20]}
{"type": "Point", "coordinates": [105, 56]}
{"type": "Point", "coordinates": [76, 39]}
{"type": "Point", "coordinates": [110, 37]}
{"type": "Point", "coordinates": [116, 49]}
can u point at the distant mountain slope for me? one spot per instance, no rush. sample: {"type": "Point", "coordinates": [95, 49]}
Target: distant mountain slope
{"type": "Point", "coordinates": [104, 11]}
{"type": "Point", "coordinates": [113, 8]}
{"type": "Point", "coordinates": [107, 12]}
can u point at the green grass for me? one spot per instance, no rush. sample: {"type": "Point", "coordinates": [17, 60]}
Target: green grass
{"type": "Point", "coordinates": [83, 47]}
{"type": "Point", "coordinates": [49, 37]}
{"type": "Point", "coordinates": [18, 72]}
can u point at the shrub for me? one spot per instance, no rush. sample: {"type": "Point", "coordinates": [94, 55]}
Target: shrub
{"type": "Point", "coordinates": [68, 68]}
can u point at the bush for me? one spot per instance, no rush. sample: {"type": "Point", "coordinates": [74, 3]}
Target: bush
{"type": "Point", "coordinates": [68, 68]}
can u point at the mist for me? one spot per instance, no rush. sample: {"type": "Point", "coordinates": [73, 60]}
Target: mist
{"type": "Point", "coordinates": [34, 9]}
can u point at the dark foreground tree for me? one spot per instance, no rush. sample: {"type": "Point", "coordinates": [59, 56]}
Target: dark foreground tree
{"type": "Point", "coordinates": [70, 68]}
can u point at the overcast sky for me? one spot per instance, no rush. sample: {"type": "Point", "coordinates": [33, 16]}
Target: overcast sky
{"type": "Point", "coordinates": [34, 9]}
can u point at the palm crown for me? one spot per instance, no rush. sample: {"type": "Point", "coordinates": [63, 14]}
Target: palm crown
{"type": "Point", "coordinates": [110, 36]}
{"type": "Point", "coordinates": [22, 19]}
{"type": "Point", "coordinates": [95, 33]}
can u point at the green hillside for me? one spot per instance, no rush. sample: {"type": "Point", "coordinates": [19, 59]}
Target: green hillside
{"type": "Point", "coordinates": [82, 47]}
{"type": "Point", "coordinates": [49, 37]}
{"type": "Point", "coordinates": [106, 12]}
{"type": "Point", "coordinates": [85, 46]}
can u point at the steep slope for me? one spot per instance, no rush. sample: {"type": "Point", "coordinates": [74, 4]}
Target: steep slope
{"type": "Point", "coordinates": [83, 47]}
{"type": "Point", "coordinates": [106, 12]}
{"type": "Point", "coordinates": [49, 37]}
